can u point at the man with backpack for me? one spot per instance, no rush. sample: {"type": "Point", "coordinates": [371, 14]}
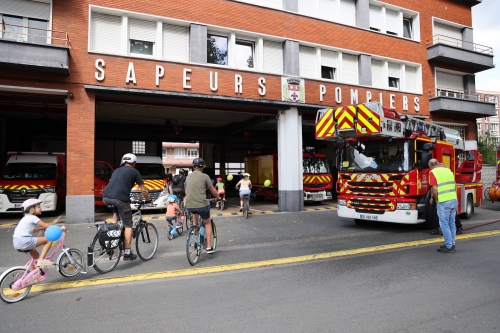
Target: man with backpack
{"type": "Point", "coordinates": [178, 183]}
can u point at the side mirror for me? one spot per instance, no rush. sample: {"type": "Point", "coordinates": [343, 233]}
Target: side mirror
{"type": "Point", "coordinates": [426, 157]}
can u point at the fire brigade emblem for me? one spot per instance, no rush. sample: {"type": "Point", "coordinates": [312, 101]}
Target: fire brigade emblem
{"type": "Point", "coordinates": [293, 90]}
{"type": "Point", "coordinates": [23, 192]}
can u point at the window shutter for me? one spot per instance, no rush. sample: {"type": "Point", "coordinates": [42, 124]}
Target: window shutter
{"type": "Point", "coordinates": [448, 31]}
{"type": "Point", "coordinates": [106, 33]}
{"type": "Point", "coordinates": [272, 3]}
{"type": "Point", "coordinates": [450, 81]}
{"type": "Point", "coordinates": [307, 61]}
{"type": "Point", "coordinates": [348, 12]}
{"type": "Point", "coordinates": [394, 70]}
{"type": "Point", "coordinates": [273, 57]}
{"type": "Point", "coordinates": [411, 78]}
{"type": "Point", "coordinates": [329, 58]}
{"type": "Point", "coordinates": [326, 9]}
{"type": "Point", "coordinates": [378, 77]}
{"type": "Point", "coordinates": [391, 18]}
{"type": "Point", "coordinates": [375, 17]}
{"type": "Point", "coordinates": [350, 68]}
{"type": "Point", "coordinates": [24, 8]}
{"type": "Point", "coordinates": [305, 7]}
{"type": "Point", "coordinates": [175, 42]}
{"type": "Point", "coordinates": [142, 30]}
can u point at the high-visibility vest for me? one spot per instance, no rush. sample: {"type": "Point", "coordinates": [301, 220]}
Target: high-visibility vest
{"type": "Point", "coordinates": [446, 186]}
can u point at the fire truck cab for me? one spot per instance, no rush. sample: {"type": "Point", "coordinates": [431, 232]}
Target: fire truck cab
{"type": "Point", "coordinates": [383, 163]}
{"type": "Point", "coordinates": [153, 173]}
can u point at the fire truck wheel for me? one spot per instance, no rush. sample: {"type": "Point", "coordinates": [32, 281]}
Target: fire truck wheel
{"type": "Point", "coordinates": [469, 208]}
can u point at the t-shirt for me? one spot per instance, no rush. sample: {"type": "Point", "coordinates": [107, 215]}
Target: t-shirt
{"type": "Point", "coordinates": [245, 185]}
{"type": "Point", "coordinates": [121, 183]}
{"type": "Point", "coordinates": [171, 208]}
{"type": "Point", "coordinates": [25, 226]}
{"type": "Point", "coordinates": [220, 186]}
{"type": "Point", "coordinates": [197, 184]}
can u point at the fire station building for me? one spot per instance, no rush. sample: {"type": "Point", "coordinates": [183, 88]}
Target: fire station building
{"type": "Point", "coordinates": [88, 77]}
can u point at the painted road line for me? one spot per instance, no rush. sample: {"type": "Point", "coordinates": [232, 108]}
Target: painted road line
{"type": "Point", "coordinates": [249, 265]}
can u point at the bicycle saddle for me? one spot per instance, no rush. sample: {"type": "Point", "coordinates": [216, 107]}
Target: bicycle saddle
{"type": "Point", "coordinates": [24, 251]}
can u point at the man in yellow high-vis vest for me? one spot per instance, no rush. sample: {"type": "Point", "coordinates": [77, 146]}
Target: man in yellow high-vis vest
{"type": "Point", "coordinates": [444, 192]}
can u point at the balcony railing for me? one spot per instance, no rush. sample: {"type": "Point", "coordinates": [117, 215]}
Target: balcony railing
{"type": "Point", "coordinates": [441, 39]}
{"type": "Point", "coordinates": [461, 94]}
{"type": "Point", "coordinates": [19, 33]}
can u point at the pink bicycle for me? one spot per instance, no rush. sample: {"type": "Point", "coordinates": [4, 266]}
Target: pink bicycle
{"type": "Point", "coordinates": [16, 282]}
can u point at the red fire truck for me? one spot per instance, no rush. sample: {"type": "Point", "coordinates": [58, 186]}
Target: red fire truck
{"type": "Point", "coordinates": [317, 178]}
{"type": "Point", "coordinates": [383, 163]}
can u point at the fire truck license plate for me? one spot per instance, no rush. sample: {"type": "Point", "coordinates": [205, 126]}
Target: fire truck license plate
{"type": "Point", "coordinates": [368, 217]}
{"type": "Point", "coordinates": [17, 205]}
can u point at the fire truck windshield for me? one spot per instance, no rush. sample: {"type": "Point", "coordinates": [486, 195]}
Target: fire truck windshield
{"type": "Point", "coordinates": [315, 165]}
{"type": "Point", "coordinates": [42, 171]}
{"type": "Point", "coordinates": [379, 156]}
{"type": "Point", "coordinates": [150, 170]}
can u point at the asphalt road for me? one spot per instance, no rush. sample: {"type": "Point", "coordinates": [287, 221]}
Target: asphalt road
{"type": "Point", "coordinates": [268, 275]}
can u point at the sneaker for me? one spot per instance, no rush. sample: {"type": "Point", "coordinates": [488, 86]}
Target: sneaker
{"type": "Point", "coordinates": [460, 231]}
{"type": "Point", "coordinates": [446, 250]}
{"type": "Point", "coordinates": [241, 209]}
{"type": "Point", "coordinates": [210, 250]}
{"type": "Point", "coordinates": [444, 247]}
{"type": "Point", "coordinates": [44, 262]}
{"type": "Point", "coordinates": [131, 256]}
{"type": "Point", "coordinates": [435, 231]}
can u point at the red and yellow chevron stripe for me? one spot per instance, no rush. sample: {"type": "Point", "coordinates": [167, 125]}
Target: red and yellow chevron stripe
{"type": "Point", "coordinates": [344, 118]}
{"type": "Point", "coordinates": [368, 121]}
{"type": "Point", "coordinates": [28, 187]}
{"type": "Point", "coordinates": [311, 179]}
{"type": "Point", "coordinates": [152, 184]}
{"type": "Point", "coordinates": [325, 127]}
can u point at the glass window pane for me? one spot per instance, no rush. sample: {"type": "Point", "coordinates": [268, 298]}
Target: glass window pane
{"type": "Point", "coordinates": [244, 54]}
{"type": "Point", "coordinates": [141, 47]}
{"type": "Point", "coordinates": [393, 82]}
{"type": "Point", "coordinates": [407, 29]}
{"type": "Point", "coordinates": [14, 31]}
{"type": "Point", "coordinates": [216, 50]}
{"type": "Point", "coordinates": [327, 73]}
{"type": "Point", "coordinates": [37, 28]}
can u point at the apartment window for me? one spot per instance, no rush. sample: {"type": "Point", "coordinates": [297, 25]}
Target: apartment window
{"type": "Point", "coordinates": [407, 27]}
{"type": "Point", "coordinates": [348, 12]}
{"type": "Point", "coordinates": [350, 68]}
{"type": "Point", "coordinates": [411, 78]}
{"type": "Point", "coordinates": [179, 152]}
{"type": "Point", "coordinates": [374, 16]}
{"type": "Point", "coordinates": [479, 126]}
{"type": "Point", "coordinates": [142, 36]}
{"type": "Point", "coordinates": [106, 33]}
{"type": "Point", "coordinates": [244, 52]}
{"type": "Point", "coordinates": [391, 18]}
{"type": "Point", "coordinates": [192, 152]}
{"type": "Point", "coordinates": [175, 42]}
{"type": "Point", "coordinates": [327, 73]}
{"type": "Point", "coordinates": [164, 152]}
{"type": "Point", "coordinates": [329, 61]}
{"type": "Point", "coordinates": [217, 49]}
{"type": "Point", "coordinates": [445, 34]}
{"type": "Point", "coordinates": [393, 82]}
{"type": "Point", "coordinates": [494, 127]}
{"type": "Point", "coordinates": [25, 29]}
{"type": "Point", "coordinates": [394, 75]}
{"type": "Point", "coordinates": [138, 147]}
{"type": "Point", "coordinates": [307, 61]}
{"type": "Point", "coordinates": [273, 57]}
{"type": "Point", "coordinates": [449, 84]}
{"type": "Point", "coordinates": [14, 31]}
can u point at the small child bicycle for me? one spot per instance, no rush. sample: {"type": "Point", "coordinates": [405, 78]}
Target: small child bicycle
{"type": "Point", "coordinates": [16, 282]}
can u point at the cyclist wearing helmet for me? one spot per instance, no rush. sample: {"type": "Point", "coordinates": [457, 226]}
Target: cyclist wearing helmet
{"type": "Point", "coordinates": [117, 193]}
{"type": "Point", "coordinates": [23, 234]}
{"type": "Point", "coordinates": [172, 210]}
{"type": "Point", "coordinates": [197, 184]}
{"type": "Point", "coordinates": [221, 189]}
{"type": "Point", "coordinates": [245, 186]}
{"type": "Point", "coordinates": [178, 183]}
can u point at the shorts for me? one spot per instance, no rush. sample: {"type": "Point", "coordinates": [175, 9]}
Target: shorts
{"type": "Point", "coordinates": [204, 212]}
{"type": "Point", "coordinates": [221, 191]}
{"type": "Point", "coordinates": [123, 208]}
{"type": "Point", "coordinates": [170, 218]}
{"type": "Point", "coordinates": [24, 243]}
{"type": "Point", "coordinates": [244, 192]}
{"type": "Point", "coordinates": [179, 191]}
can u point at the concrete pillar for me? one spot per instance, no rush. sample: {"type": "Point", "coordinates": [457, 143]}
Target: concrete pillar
{"type": "Point", "coordinates": [291, 5]}
{"type": "Point", "coordinates": [291, 58]}
{"type": "Point", "coordinates": [80, 156]}
{"type": "Point", "coordinates": [467, 38]}
{"type": "Point", "coordinates": [290, 190]}
{"type": "Point", "coordinates": [363, 14]}
{"type": "Point", "coordinates": [365, 69]}
{"type": "Point", "coordinates": [198, 43]}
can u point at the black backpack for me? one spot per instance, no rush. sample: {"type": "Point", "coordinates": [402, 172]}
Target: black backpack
{"type": "Point", "coordinates": [176, 180]}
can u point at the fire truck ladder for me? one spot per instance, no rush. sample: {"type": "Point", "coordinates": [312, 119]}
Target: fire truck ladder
{"type": "Point", "coordinates": [431, 130]}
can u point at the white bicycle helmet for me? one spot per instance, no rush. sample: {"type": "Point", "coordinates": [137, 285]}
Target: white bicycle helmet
{"type": "Point", "coordinates": [27, 204]}
{"type": "Point", "coordinates": [128, 158]}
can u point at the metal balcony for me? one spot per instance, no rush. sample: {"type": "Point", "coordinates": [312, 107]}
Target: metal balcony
{"type": "Point", "coordinates": [45, 51]}
{"type": "Point", "coordinates": [461, 102]}
{"type": "Point", "coordinates": [471, 3]}
{"type": "Point", "coordinates": [457, 52]}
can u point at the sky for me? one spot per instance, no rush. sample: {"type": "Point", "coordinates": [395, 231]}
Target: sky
{"type": "Point", "coordinates": [486, 25]}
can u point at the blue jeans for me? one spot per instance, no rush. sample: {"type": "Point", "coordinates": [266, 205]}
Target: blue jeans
{"type": "Point", "coordinates": [447, 212]}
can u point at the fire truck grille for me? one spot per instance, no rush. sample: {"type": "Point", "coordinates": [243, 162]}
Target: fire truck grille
{"type": "Point", "coordinates": [315, 186]}
{"type": "Point", "coordinates": [371, 189]}
{"type": "Point", "coordinates": [370, 205]}
{"type": "Point", "coordinates": [138, 195]}
{"type": "Point", "coordinates": [17, 197]}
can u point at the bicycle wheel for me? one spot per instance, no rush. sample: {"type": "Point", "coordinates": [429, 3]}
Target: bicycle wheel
{"type": "Point", "coordinates": [189, 220]}
{"type": "Point", "coordinates": [193, 248]}
{"type": "Point", "coordinates": [169, 233]}
{"type": "Point", "coordinates": [8, 278]}
{"type": "Point", "coordinates": [214, 235]}
{"type": "Point", "coordinates": [222, 205]}
{"type": "Point", "coordinates": [146, 242]}
{"type": "Point", "coordinates": [71, 263]}
{"type": "Point", "coordinates": [105, 260]}
{"type": "Point", "coordinates": [246, 208]}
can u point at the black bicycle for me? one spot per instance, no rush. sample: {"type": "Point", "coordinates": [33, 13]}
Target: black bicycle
{"type": "Point", "coordinates": [246, 205]}
{"type": "Point", "coordinates": [105, 258]}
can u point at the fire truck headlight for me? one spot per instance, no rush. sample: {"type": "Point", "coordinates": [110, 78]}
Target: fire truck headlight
{"type": "Point", "coordinates": [341, 202]}
{"type": "Point", "coordinates": [49, 189]}
{"type": "Point", "coordinates": [2, 189]}
{"type": "Point", "coordinates": [405, 206]}
{"type": "Point", "coordinates": [328, 193]}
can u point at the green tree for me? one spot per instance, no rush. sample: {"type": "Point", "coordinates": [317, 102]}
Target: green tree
{"type": "Point", "coordinates": [214, 54]}
{"type": "Point", "coordinates": [487, 146]}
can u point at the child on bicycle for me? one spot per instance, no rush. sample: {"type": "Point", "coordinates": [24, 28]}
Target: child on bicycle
{"type": "Point", "coordinates": [221, 189]}
{"type": "Point", "coordinates": [23, 234]}
{"type": "Point", "coordinates": [245, 186]}
{"type": "Point", "coordinates": [172, 211]}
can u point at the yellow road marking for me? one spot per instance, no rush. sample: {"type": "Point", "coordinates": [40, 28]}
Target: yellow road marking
{"type": "Point", "coordinates": [248, 265]}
